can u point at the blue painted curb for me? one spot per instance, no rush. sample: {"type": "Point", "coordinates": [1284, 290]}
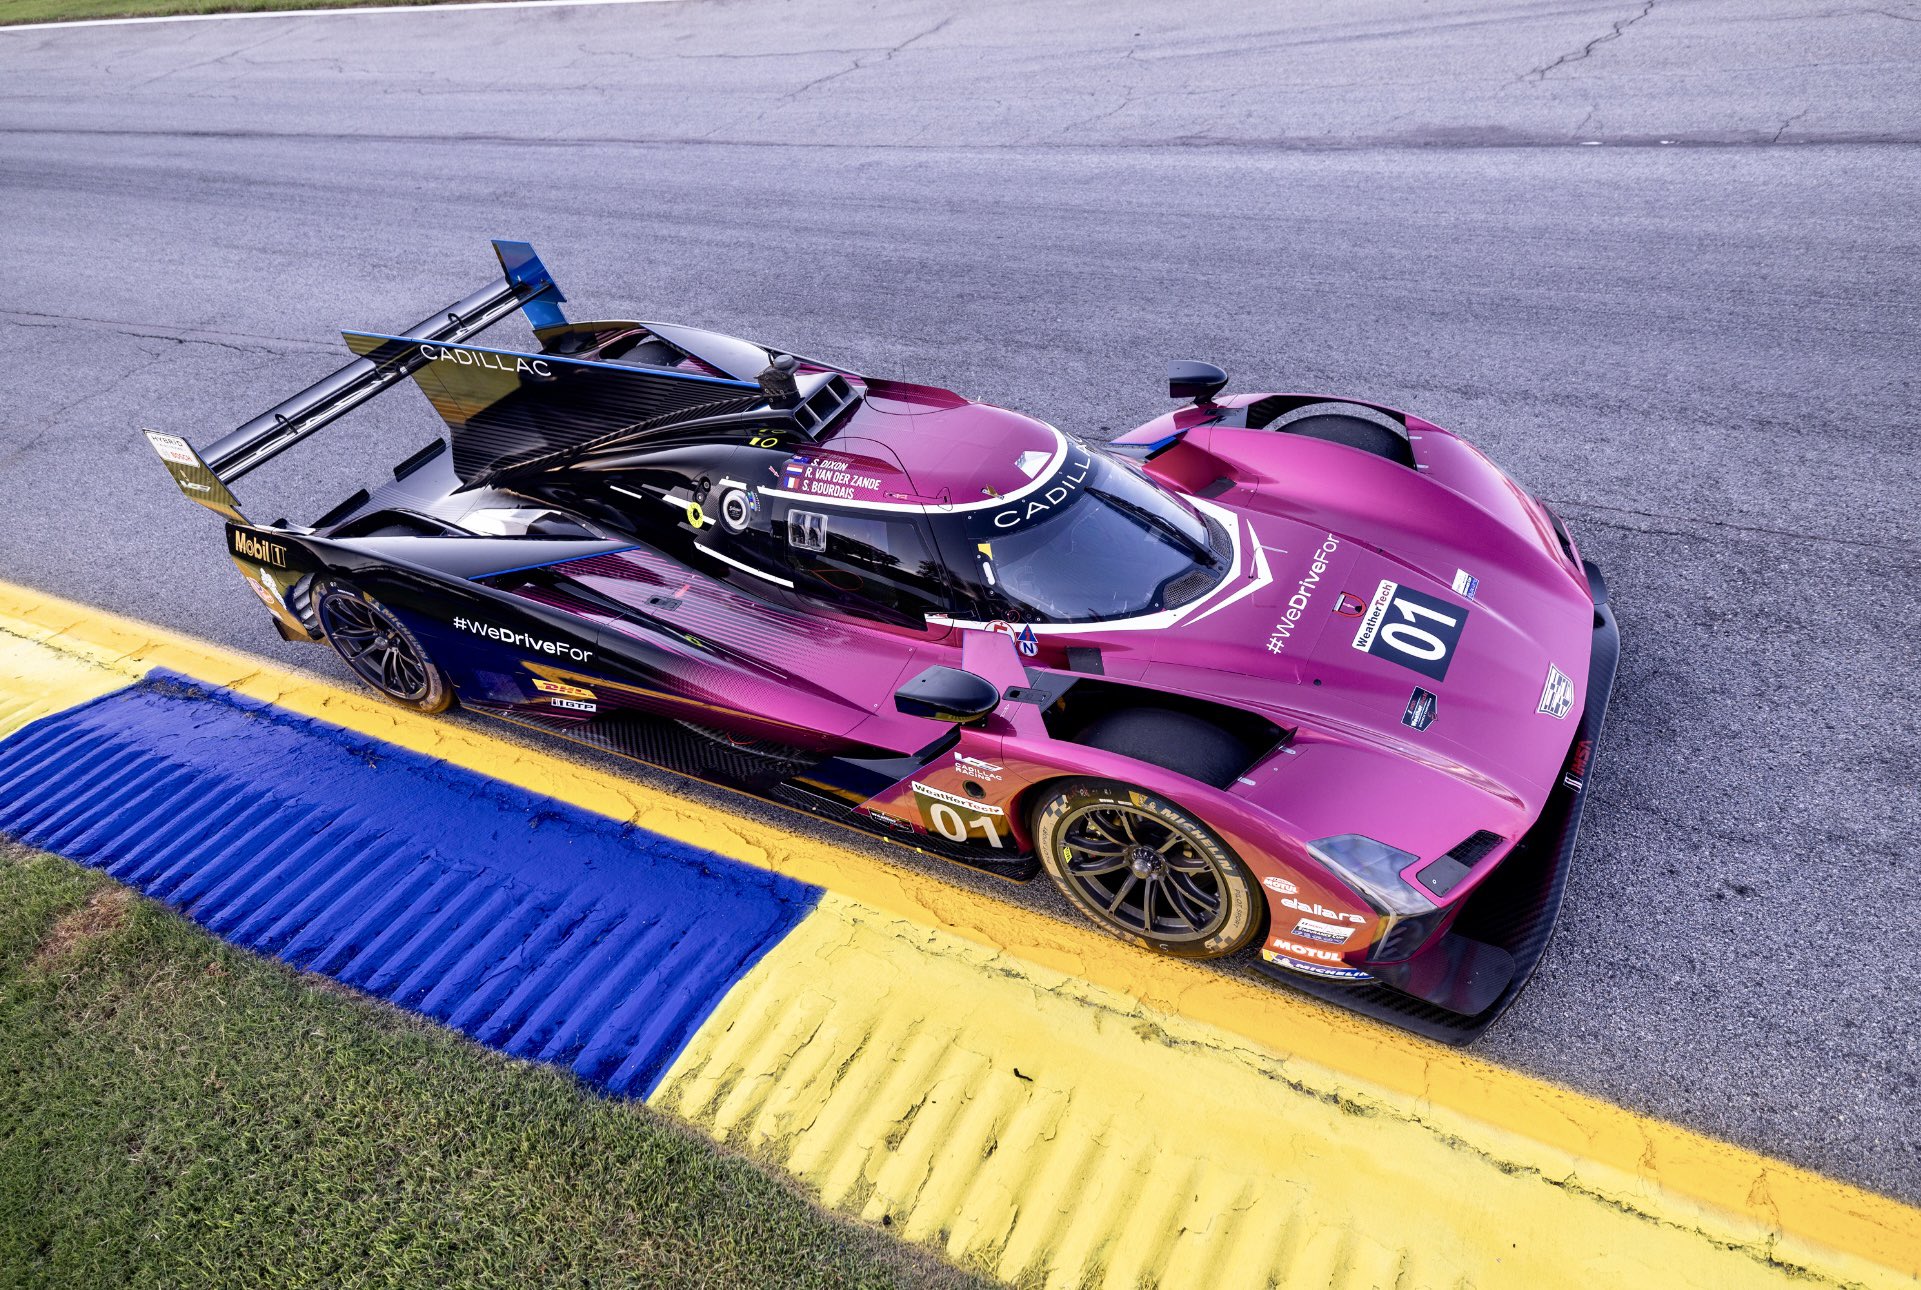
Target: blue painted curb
{"type": "Point", "coordinates": [540, 929]}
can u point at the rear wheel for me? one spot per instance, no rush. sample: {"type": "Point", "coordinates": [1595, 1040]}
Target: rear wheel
{"type": "Point", "coordinates": [379, 649]}
{"type": "Point", "coordinates": [1146, 870]}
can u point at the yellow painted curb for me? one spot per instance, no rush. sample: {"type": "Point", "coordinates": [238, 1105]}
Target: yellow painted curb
{"type": "Point", "coordinates": [1568, 1139]}
{"type": "Point", "coordinates": [1050, 1130]}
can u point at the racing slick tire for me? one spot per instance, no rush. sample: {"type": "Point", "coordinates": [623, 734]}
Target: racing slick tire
{"type": "Point", "coordinates": [379, 650]}
{"type": "Point", "coordinates": [1145, 870]}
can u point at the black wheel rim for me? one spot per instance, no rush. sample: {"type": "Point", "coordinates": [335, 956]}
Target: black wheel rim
{"type": "Point", "coordinates": [375, 646]}
{"type": "Point", "coordinates": [1147, 876]}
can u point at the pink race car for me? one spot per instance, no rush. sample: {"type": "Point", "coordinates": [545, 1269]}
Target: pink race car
{"type": "Point", "coordinates": [1284, 671]}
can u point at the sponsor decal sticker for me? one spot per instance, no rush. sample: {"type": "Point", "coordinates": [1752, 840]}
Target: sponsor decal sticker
{"type": "Point", "coordinates": [1024, 639]}
{"type": "Point", "coordinates": [576, 705]}
{"type": "Point", "coordinates": [1315, 930]}
{"type": "Point", "coordinates": [545, 686]}
{"type": "Point", "coordinates": [1465, 584]}
{"type": "Point", "coordinates": [1421, 707]}
{"type": "Point", "coordinates": [1310, 907]}
{"type": "Point", "coordinates": [173, 448]}
{"type": "Point", "coordinates": [1350, 605]}
{"type": "Point", "coordinates": [1577, 764]}
{"type": "Point", "coordinates": [1030, 462]}
{"type": "Point", "coordinates": [1303, 593]}
{"type": "Point", "coordinates": [1316, 969]}
{"type": "Point", "coordinates": [1411, 628]}
{"type": "Point", "coordinates": [508, 636]}
{"type": "Point", "coordinates": [481, 358]}
{"type": "Point", "coordinates": [975, 767]}
{"type": "Point", "coordinates": [1069, 479]}
{"type": "Point", "coordinates": [829, 477]}
{"type": "Point", "coordinates": [269, 593]}
{"type": "Point", "coordinates": [954, 799]}
{"type": "Point", "coordinates": [259, 548]}
{"type": "Point", "coordinates": [1557, 695]}
{"type": "Point", "coordinates": [1281, 885]}
{"type": "Point", "coordinates": [960, 819]}
{"type": "Point", "coordinates": [1306, 951]}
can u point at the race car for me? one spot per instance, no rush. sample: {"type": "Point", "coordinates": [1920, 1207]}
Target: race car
{"type": "Point", "coordinates": [1287, 671]}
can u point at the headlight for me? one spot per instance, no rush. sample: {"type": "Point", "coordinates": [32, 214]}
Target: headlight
{"type": "Point", "coordinates": [1374, 870]}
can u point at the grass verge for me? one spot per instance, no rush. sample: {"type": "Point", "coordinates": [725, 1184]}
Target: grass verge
{"type": "Point", "coordinates": [13, 12]}
{"type": "Point", "coordinates": [174, 1111]}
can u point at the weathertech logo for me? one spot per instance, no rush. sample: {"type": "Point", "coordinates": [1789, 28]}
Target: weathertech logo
{"type": "Point", "coordinates": [521, 640]}
{"type": "Point", "coordinates": [260, 549]}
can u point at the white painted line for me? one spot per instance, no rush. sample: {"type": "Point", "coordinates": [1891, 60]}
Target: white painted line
{"type": "Point", "coordinates": [323, 13]}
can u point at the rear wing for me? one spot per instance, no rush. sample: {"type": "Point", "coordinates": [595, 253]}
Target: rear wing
{"type": "Point", "coordinates": [204, 476]}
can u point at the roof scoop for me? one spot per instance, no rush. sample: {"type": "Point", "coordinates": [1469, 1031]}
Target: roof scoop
{"type": "Point", "coordinates": [1189, 378]}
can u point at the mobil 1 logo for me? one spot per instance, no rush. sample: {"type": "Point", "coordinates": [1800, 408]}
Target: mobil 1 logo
{"type": "Point", "coordinates": [1410, 628]}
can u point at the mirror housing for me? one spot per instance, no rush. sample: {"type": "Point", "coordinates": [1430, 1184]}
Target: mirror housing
{"type": "Point", "coordinates": [1189, 379]}
{"type": "Point", "coordinates": [948, 694]}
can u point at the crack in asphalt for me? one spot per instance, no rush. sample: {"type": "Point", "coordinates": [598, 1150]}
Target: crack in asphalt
{"type": "Point", "coordinates": [860, 61]}
{"type": "Point", "coordinates": [270, 346]}
{"type": "Point", "coordinates": [1539, 74]}
{"type": "Point", "coordinates": [1899, 548]}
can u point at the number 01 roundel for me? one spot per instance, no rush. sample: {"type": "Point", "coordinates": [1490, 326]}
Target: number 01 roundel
{"type": "Point", "coordinates": [959, 820]}
{"type": "Point", "coordinates": [1411, 628]}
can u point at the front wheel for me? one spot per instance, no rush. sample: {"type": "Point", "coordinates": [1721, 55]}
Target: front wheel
{"type": "Point", "coordinates": [1146, 870]}
{"type": "Point", "coordinates": [380, 650]}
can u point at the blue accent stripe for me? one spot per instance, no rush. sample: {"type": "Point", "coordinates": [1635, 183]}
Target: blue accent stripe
{"type": "Point", "coordinates": [544, 930]}
{"type": "Point", "coordinates": [565, 559]}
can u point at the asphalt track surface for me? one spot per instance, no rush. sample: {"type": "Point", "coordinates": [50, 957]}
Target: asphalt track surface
{"type": "Point", "coordinates": [1660, 260]}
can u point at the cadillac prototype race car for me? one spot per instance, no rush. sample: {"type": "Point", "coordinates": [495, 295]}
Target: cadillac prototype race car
{"type": "Point", "coordinates": [1286, 670]}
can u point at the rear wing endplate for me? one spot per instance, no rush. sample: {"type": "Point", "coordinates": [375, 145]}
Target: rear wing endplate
{"type": "Point", "coordinates": [204, 476]}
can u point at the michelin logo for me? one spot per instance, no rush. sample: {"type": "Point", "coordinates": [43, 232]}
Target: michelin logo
{"type": "Point", "coordinates": [521, 640]}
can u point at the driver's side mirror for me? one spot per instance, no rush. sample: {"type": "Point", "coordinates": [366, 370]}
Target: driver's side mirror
{"type": "Point", "coordinates": [1188, 379]}
{"type": "Point", "coordinates": [948, 694]}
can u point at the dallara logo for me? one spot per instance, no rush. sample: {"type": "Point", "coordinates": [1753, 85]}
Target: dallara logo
{"type": "Point", "coordinates": [483, 358]}
{"type": "Point", "coordinates": [258, 548]}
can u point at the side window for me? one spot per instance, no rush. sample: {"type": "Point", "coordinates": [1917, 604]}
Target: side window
{"type": "Point", "coordinates": [878, 565]}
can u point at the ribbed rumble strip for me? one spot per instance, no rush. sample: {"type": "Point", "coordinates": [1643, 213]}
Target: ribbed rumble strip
{"type": "Point", "coordinates": [558, 935]}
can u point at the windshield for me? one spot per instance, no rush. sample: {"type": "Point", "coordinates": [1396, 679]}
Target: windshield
{"type": "Point", "coordinates": [1105, 543]}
